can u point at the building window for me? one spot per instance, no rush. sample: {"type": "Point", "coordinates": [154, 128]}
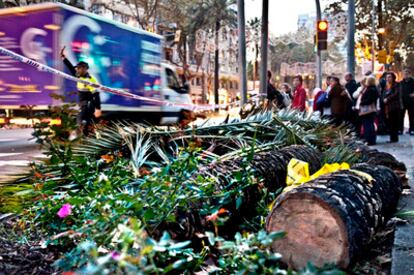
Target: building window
{"type": "Point", "coordinates": [192, 82]}
{"type": "Point", "coordinates": [231, 84]}
{"type": "Point", "coordinates": [198, 82]}
{"type": "Point", "coordinates": [236, 85]}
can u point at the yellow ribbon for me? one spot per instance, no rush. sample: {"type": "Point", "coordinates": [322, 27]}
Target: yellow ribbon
{"type": "Point", "coordinates": [298, 172]}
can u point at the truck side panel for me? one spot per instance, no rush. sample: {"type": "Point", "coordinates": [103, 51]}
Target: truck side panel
{"type": "Point", "coordinates": [117, 57]}
{"type": "Point", "coordinates": [33, 35]}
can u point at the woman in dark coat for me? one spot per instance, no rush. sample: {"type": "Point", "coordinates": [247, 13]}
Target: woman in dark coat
{"type": "Point", "coordinates": [392, 105]}
{"type": "Point", "coordinates": [339, 99]}
{"type": "Point", "coordinates": [367, 109]}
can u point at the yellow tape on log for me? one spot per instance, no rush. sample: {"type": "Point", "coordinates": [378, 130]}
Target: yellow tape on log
{"type": "Point", "coordinates": [298, 172]}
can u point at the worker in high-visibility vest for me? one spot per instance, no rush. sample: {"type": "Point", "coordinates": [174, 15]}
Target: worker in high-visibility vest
{"type": "Point", "coordinates": [89, 100]}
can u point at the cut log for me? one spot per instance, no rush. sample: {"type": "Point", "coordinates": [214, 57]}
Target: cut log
{"type": "Point", "coordinates": [374, 157]}
{"type": "Point", "coordinates": [332, 218]}
{"type": "Point", "coordinates": [271, 166]}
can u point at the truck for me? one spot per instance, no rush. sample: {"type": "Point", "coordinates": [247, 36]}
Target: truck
{"type": "Point", "coordinates": [119, 56]}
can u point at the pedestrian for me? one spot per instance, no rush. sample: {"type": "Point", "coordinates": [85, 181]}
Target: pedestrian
{"type": "Point", "coordinates": [299, 95]}
{"type": "Point", "coordinates": [89, 100]}
{"type": "Point", "coordinates": [392, 105]}
{"type": "Point", "coordinates": [318, 100]}
{"type": "Point", "coordinates": [351, 86]}
{"type": "Point", "coordinates": [382, 125]}
{"type": "Point", "coordinates": [407, 94]}
{"type": "Point", "coordinates": [287, 90]}
{"type": "Point", "coordinates": [274, 97]}
{"type": "Point", "coordinates": [286, 93]}
{"type": "Point", "coordinates": [339, 101]}
{"type": "Point", "coordinates": [367, 108]}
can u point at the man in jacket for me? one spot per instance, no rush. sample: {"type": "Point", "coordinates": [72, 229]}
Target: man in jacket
{"type": "Point", "coordinates": [407, 94]}
{"type": "Point", "coordinates": [351, 86]}
{"type": "Point", "coordinates": [89, 100]}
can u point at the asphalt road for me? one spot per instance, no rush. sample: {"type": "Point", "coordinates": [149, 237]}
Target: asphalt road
{"type": "Point", "coordinates": [17, 151]}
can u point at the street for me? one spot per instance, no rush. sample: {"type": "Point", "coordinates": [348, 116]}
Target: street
{"type": "Point", "coordinates": [17, 150]}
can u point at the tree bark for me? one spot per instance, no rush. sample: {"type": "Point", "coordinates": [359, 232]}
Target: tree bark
{"type": "Point", "coordinates": [332, 218]}
{"type": "Point", "coordinates": [242, 52]}
{"type": "Point", "coordinates": [271, 166]}
{"type": "Point", "coordinates": [264, 46]}
{"type": "Point", "coordinates": [216, 66]}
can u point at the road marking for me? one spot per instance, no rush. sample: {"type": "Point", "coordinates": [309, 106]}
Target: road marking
{"type": "Point", "coordinates": [14, 162]}
{"type": "Point", "coordinates": [7, 139]}
{"type": "Point", "coordinates": [2, 155]}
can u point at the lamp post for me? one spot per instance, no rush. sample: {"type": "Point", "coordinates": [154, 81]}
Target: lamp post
{"type": "Point", "coordinates": [318, 52]}
{"type": "Point", "coordinates": [373, 33]}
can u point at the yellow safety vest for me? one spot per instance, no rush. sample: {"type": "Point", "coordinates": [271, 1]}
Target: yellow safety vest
{"type": "Point", "coordinates": [84, 87]}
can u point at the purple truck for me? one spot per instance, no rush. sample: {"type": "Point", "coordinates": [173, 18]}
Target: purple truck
{"type": "Point", "coordinates": [119, 56]}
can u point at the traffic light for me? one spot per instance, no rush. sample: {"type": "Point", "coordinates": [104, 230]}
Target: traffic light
{"type": "Point", "coordinates": [322, 35]}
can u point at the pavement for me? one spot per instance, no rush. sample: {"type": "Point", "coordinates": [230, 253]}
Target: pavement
{"type": "Point", "coordinates": [403, 249]}
{"type": "Point", "coordinates": [17, 150]}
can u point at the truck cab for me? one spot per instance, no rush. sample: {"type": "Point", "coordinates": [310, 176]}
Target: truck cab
{"type": "Point", "coordinates": [174, 92]}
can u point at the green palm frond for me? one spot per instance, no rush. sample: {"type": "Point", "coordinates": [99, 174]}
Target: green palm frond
{"type": "Point", "coordinates": [287, 126]}
{"type": "Point", "coordinates": [140, 149]}
{"type": "Point", "coordinates": [339, 154]}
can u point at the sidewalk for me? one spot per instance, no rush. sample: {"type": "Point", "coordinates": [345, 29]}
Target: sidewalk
{"type": "Point", "coordinates": [403, 249]}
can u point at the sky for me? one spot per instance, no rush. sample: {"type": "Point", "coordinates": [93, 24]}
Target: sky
{"type": "Point", "coordinates": [283, 14]}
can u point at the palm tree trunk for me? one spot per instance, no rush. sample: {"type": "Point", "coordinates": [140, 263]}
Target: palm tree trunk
{"type": "Point", "coordinates": [216, 66]}
{"type": "Point", "coordinates": [351, 37]}
{"type": "Point", "coordinates": [265, 38]}
{"type": "Point", "coordinates": [242, 51]}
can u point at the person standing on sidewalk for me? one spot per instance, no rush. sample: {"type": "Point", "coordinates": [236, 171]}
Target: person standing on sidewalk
{"type": "Point", "coordinates": [340, 101]}
{"type": "Point", "coordinates": [274, 97]}
{"type": "Point", "coordinates": [89, 100]}
{"type": "Point", "coordinates": [367, 109]}
{"type": "Point", "coordinates": [407, 94]}
{"type": "Point", "coordinates": [299, 95]}
{"type": "Point", "coordinates": [351, 86]}
{"type": "Point", "coordinates": [392, 105]}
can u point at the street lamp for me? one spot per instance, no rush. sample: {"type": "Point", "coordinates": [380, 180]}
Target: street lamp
{"type": "Point", "coordinates": [381, 30]}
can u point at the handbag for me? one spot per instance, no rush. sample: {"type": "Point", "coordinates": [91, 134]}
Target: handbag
{"type": "Point", "coordinates": [368, 109]}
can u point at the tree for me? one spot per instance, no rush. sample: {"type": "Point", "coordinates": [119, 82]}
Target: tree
{"type": "Point", "coordinates": [242, 50]}
{"type": "Point", "coordinates": [221, 13]}
{"type": "Point", "coordinates": [396, 16]}
{"type": "Point", "coordinates": [264, 46]}
{"type": "Point", "coordinates": [145, 11]}
{"type": "Point", "coordinates": [254, 31]}
{"type": "Point", "coordinates": [189, 16]}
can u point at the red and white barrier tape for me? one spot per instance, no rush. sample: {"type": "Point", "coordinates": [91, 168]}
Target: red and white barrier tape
{"type": "Point", "coordinates": [114, 91]}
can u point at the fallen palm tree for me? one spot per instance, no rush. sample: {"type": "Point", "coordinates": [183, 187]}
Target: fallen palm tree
{"type": "Point", "coordinates": [331, 219]}
{"type": "Point", "coordinates": [241, 202]}
{"type": "Point", "coordinates": [376, 157]}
